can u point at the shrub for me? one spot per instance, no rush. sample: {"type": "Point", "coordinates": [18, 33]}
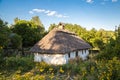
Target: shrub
{"type": "Point", "coordinates": [104, 69]}
{"type": "Point", "coordinates": [1, 58]}
{"type": "Point", "coordinates": [88, 70]}
{"type": "Point", "coordinates": [22, 63]}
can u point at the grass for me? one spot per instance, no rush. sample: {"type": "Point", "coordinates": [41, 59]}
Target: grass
{"type": "Point", "coordinates": [25, 69]}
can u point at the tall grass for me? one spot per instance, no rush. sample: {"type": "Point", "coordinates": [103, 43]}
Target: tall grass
{"type": "Point", "coordinates": [25, 69]}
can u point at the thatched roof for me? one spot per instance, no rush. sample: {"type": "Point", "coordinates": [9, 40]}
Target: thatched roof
{"type": "Point", "coordinates": [59, 41]}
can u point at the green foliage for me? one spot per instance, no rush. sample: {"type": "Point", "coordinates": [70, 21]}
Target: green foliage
{"type": "Point", "coordinates": [2, 23]}
{"type": "Point", "coordinates": [1, 58]}
{"type": "Point", "coordinates": [4, 40]}
{"type": "Point", "coordinates": [4, 33]}
{"type": "Point", "coordinates": [52, 26]}
{"type": "Point", "coordinates": [104, 69]}
{"type": "Point", "coordinates": [99, 43]}
{"type": "Point", "coordinates": [29, 32]}
{"type": "Point", "coordinates": [117, 43]}
{"type": "Point", "coordinates": [74, 67]}
{"type": "Point", "coordinates": [19, 63]}
{"type": "Point", "coordinates": [15, 41]}
{"type": "Point", "coordinates": [76, 70]}
{"type": "Point", "coordinates": [16, 20]}
{"type": "Point", "coordinates": [112, 49]}
{"type": "Point", "coordinates": [97, 39]}
{"type": "Point", "coordinates": [37, 21]}
{"type": "Point", "coordinates": [7, 38]}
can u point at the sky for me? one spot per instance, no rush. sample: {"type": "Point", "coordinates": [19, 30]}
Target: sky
{"type": "Point", "coordinates": [89, 14]}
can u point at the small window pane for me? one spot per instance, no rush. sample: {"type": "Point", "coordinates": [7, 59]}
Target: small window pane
{"type": "Point", "coordinates": [69, 55]}
{"type": "Point", "coordinates": [76, 53]}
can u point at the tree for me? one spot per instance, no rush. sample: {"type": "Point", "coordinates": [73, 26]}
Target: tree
{"type": "Point", "coordinates": [29, 32]}
{"type": "Point", "coordinates": [52, 26]}
{"type": "Point", "coordinates": [15, 41]}
{"type": "Point", "coordinates": [4, 33]}
{"type": "Point", "coordinates": [16, 20]}
{"type": "Point", "coordinates": [40, 27]}
{"type": "Point", "coordinates": [8, 39]}
{"type": "Point", "coordinates": [37, 21]}
{"type": "Point", "coordinates": [99, 44]}
{"type": "Point", "coordinates": [112, 48]}
{"type": "Point", "coordinates": [117, 43]}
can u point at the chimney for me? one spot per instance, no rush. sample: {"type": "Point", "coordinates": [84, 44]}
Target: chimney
{"type": "Point", "coordinates": [60, 26]}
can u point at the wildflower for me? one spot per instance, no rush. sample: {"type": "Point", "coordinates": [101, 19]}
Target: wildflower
{"type": "Point", "coordinates": [50, 69]}
{"type": "Point", "coordinates": [84, 73]}
{"type": "Point", "coordinates": [51, 76]}
{"type": "Point", "coordinates": [1, 47]}
{"type": "Point", "coordinates": [41, 69]}
{"type": "Point", "coordinates": [61, 70]}
{"type": "Point", "coordinates": [108, 78]}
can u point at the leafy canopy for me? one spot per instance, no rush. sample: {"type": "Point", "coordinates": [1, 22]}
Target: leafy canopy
{"type": "Point", "coordinates": [29, 31]}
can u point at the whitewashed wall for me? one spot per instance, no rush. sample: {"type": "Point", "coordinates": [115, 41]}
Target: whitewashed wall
{"type": "Point", "coordinates": [56, 59]}
{"type": "Point", "coordinates": [83, 54]}
{"type": "Point", "coordinates": [66, 57]}
{"type": "Point", "coordinates": [72, 55]}
{"type": "Point", "coordinates": [59, 59]}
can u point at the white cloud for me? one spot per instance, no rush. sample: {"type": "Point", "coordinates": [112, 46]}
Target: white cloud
{"type": "Point", "coordinates": [89, 1]}
{"type": "Point", "coordinates": [114, 0]}
{"type": "Point", "coordinates": [38, 10]}
{"type": "Point", "coordinates": [51, 13]}
{"type": "Point", "coordinates": [31, 12]}
{"type": "Point", "coordinates": [60, 16]}
{"type": "Point", "coordinates": [48, 13]}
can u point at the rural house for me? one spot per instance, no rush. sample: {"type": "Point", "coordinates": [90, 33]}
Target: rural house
{"type": "Point", "coordinates": [58, 46]}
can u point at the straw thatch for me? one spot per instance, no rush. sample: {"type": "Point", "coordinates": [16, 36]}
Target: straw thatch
{"type": "Point", "coordinates": [59, 41]}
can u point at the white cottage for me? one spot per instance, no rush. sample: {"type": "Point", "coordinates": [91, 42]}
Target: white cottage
{"type": "Point", "coordinates": [58, 46]}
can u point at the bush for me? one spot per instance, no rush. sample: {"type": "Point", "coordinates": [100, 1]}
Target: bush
{"type": "Point", "coordinates": [1, 58]}
{"type": "Point", "coordinates": [21, 63]}
{"type": "Point", "coordinates": [104, 69]}
{"type": "Point", "coordinates": [15, 40]}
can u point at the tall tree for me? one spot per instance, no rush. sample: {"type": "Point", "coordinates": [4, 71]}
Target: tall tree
{"type": "Point", "coordinates": [4, 33]}
{"type": "Point", "coordinates": [16, 20]}
{"type": "Point", "coordinates": [112, 48]}
{"type": "Point", "coordinates": [15, 41]}
{"type": "Point", "coordinates": [117, 44]}
{"type": "Point", "coordinates": [52, 26]}
{"type": "Point", "coordinates": [8, 39]}
{"type": "Point", "coordinates": [29, 32]}
{"type": "Point", "coordinates": [37, 21]}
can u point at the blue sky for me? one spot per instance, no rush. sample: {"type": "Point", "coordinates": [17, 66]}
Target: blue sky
{"type": "Point", "coordinates": [87, 13]}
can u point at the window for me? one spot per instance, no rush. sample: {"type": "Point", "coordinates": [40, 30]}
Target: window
{"type": "Point", "coordinates": [82, 51]}
{"type": "Point", "coordinates": [85, 50]}
{"type": "Point", "coordinates": [69, 55]}
{"type": "Point", "coordinates": [76, 53]}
